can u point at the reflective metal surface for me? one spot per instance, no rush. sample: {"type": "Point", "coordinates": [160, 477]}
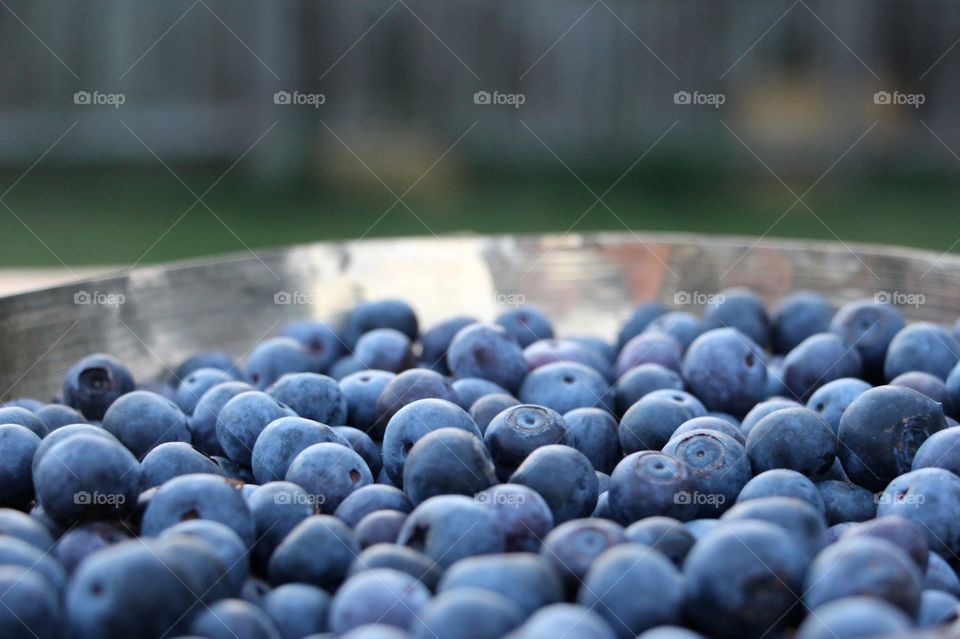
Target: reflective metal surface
{"type": "Point", "coordinates": [588, 283]}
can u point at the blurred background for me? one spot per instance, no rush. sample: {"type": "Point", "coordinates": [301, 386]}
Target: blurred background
{"type": "Point", "coordinates": [134, 132]}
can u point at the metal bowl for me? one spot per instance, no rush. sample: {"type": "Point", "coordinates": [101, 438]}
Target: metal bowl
{"type": "Point", "coordinates": [151, 318]}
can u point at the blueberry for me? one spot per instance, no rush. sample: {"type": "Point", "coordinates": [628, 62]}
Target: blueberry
{"type": "Point", "coordinates": [797, 317]}
{"type": "Point", "coordinates": [670, 632]}
{"type": "Point", "coordinates": [952, 386]}
{"type": "Point", "coordinates": [435, 342]}
{"type": "Point", "coordinates": [519, 430]}
{"type": "Point", "coordinates": [902, 533]}
{"type": "Point", "coordinates": [273, 358]}
{"type": "Point", "coordinates": [864, 566]}
{"type": "Point", "coordinates": [173, 459]}
{"type": "Point", "coordinates": [527, 580]}
{"type": "Point", "coordinates": [450, 527]}
{"type": "Point", "coordinates": [930, 385]}
{"type": "Point", "coordinates": [470, 389]}
{"type": "Point", "coordinates": [233, 470]}
{"type": "Point", "coordinates": [369, 316]}
{"type": "Point", "coordinates": [641, 380]}
{"type": "Point", "coordinates": [29, 607]}
{"type": "Point", "coordinates": [320, 339]}
{"type": "Point", "coordinates": [17, 447]}
{"type": "Point", "coordinates": [346, 366]}
{"type": "Point", "coordinates": [312, 396]}
{"type": "Point", "coordinates": [277, 508]}
{"type": "Point", "coordinates": [369, 499]}
{"type": "Point", "coordinates": [16, 552]}
{"type": "Point", "coordinates": [361, 443]}
{"type": "Point", "coordinates": [408, 387]}
{"type": "Point", "coordinates": [384, 349]}
{"type": "Point", "coordinates": [663, 534]}
{"type": "Point", "coordinates": [781, 482]}
{"type": "Point", "coordinates": [740, 309]}
{"type": "Point", "coordinates": [831, 399]}
{"type": "Point", "coordinates": [142, 420]}
{"type": "Point", "coordinates": [381, 596]}
{"type": "Point", "coordinates": [881, 431]}
{"type": "Point", "coordinates": [297, 558]}
{"type": "Point", "coordinates": [401, 558]}
{"type": "Point", "coordinates": [649, 348]}
{"type": "Point", "coordinates": [282, 440]}
{"type": "Point", "coordinates": [329, 472]}
{"type": "Point", "coordinates": [194, 385]}
{"type": "Point", "coordinates": [25, 418]}
{"type": "Point", "coordinates": [940, 576]}
{"type": "Point", "coordinates": [776, 386]}
{"type": "Point", "coordinates": [573, 546]}
{"type": "Point", "coordinates": [223, 542]}
{"type": "Point", "coordinates": [683, 327]}
{"type": "Point", "coordinates": [87, 477]}
{"type": "Point", "coordinates": [794, 438]}
{"type": "Point", "coordinates": [564, 478]}
{"type": "Point", "coordinates": [693, 405]}
{"type": "Point", "coordinates": [488, 352]}
{"type": "Point", "coordinates": [719, 466]}
{"type": "Point", "coordinates": [467, 613]}
{"type": "Point", "coordinates": [725, 369]}
{"type": "Point", "coordinates": [255, 591]}
{"type": "Point", "coordinates": [928, 497]}
{"type": "Point", "coordinates": [361, 391]}
{"type": "Point", "coordinates": [639, 319]}
{"type": "Point", "coordinates": [595, 433]}
{"type": "Point", "coordinates": [817, 360]}
{"type": "Point", "coordinates": [232, 618]}
{"type": "Point", "coordinates": [521, 513]}
{"type": "Point", "coordinates": [603, 348]}
{"type": "Point", "coordinates": [380, 527]}
{"type": "Point", "coordinates": [14, 523]}
{"type": "Point", "coordinates": [870, 327]}
{"type": "Point", "coordinates": [561, 619]}
{"type": "Point", "coordinates": [940, 450]}
{"type": "Point", "coordinates": [56, 416]}
{"type": "Point", "coordinates": [799, 519]}
{"type": "Point", "coordinates": [412, 422]}
{"type": "Point", "coordinates": [374, 631]}
{"type": "Point", "coordinates": [634, 588]}
{"type": "Point", "coordinates": [297, 610]}
{"type": "Point", "coordinates": [197, 497]}
{"type": "Point", "coordinates": [93, 383]}
{"type": "Point", "coordinates": [487, 407]}
{"type": "Point", "coordinates": [855, 616]}
{"type": "Point", "coordinates": [763, 409]}
{"type": "Point", "coordinates": [924, 347]}
{"type": "Point", "coordinates": [564, 386]}
{"type": "Point", "coordinates": [203, 422]}
{"type": "Point", "coordinates": [131, 589]}
{"type": "Point", "coordinates": [742, 579]}
{"type": "Point", "coordinates": [650, 423]}
{"type": "Point", "coordinates": [844, 501]}
{"type": "Point", "coordinates": [207, 359]}
{"type": "Point", "coordinates": [648, 484]}
{"type": "Point", "coordinates": [937, 609]}
{"type": "Point", "coordinates": [242, 419]}
{"type": "Point", "coordinates": [549, 351]}
{"type": "Point", "coordinates": [447, 461]}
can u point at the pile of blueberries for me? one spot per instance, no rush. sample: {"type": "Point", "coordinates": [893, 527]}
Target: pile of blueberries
{"type": "Point", "coordinates": [738, 475]}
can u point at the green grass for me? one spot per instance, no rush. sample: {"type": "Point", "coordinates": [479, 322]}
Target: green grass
{"type": "Point", "coordinates": [118, 217]}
